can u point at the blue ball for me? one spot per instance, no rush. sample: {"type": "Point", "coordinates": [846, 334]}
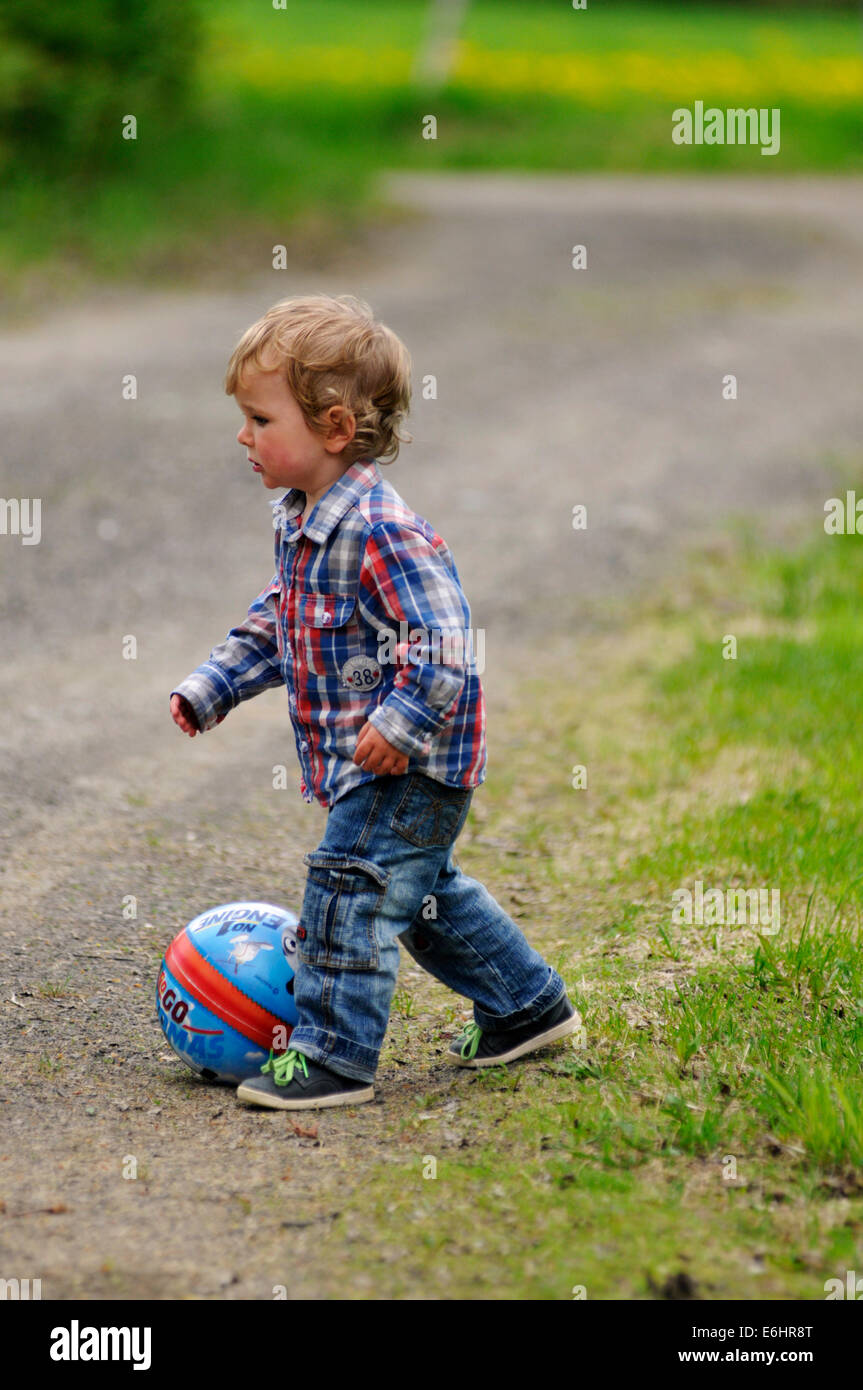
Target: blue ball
{"type": "Point", "coordinates": [225, 993]}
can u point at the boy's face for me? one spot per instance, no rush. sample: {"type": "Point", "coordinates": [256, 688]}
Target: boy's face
{"type": "Point", "coordinates": [278, 442]}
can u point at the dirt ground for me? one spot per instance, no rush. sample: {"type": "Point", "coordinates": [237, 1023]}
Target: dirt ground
{"type": "Point", "coordinates": [555, 387]}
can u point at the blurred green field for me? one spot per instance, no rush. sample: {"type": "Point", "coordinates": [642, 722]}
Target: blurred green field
{"type": "Point", "coordinates": [294, 111]}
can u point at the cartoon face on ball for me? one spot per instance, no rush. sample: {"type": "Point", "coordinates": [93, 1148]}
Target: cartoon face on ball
{"type": "Point", "coordinates": [289, 949]}
{"type": "Point", "coordinates": [289, 945]}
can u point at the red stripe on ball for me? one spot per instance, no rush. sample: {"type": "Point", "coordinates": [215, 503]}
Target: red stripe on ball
{"type": "Point", "coordinates": [223, 998]}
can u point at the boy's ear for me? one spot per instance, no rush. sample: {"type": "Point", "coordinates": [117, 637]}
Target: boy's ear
{"type": "Point", "coordinates": [342, 426]}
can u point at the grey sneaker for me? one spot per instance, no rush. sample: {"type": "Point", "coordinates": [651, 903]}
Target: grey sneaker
{"type": "Point", "coordinates": [295, 1082]}
{"type": "Point", "coordinates": [476, 1047]}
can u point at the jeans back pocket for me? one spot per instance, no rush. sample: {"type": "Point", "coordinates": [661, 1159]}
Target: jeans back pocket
{"type": "Point", "coordinates": [430, 814]}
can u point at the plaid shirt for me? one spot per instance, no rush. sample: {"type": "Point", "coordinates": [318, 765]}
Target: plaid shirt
{"type": "Point", "coordinates": [364, 569]}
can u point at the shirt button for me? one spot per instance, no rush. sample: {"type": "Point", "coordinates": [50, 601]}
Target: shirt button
{"type": "Point", "coordinates": [304, 745]}
{"type": "Point", "coordinates": [326, 618]}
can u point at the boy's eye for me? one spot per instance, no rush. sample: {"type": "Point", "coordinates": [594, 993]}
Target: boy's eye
{"type": "Point", "coordinates": [259, 419]}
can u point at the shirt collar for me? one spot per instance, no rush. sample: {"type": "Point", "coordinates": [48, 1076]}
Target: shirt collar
{"type": "Point", "coordinates": [329, 509]}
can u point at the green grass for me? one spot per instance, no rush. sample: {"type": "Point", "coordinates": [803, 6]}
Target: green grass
{"type": "Point", "coordinates": [54, 989]}
{"type": "Point", "coordinates": [547, 28]}
{"type": "Point", "coordinates": [709, 1122]}
{"type": "Point", "coordinates": [285, 136]}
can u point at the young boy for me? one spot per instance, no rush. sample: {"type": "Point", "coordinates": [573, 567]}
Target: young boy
{"type": "Point", "coordinates": [390, 739]}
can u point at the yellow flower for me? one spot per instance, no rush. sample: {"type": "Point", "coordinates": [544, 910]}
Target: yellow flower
{"type": "Point", "coordinates": [780, 71]}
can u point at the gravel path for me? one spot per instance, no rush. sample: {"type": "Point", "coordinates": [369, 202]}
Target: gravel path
{"type": "Point", "coordinates": [554, 387]}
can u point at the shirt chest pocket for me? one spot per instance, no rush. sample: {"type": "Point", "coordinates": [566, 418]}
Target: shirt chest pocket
{"type": "Point", "coordinates": [328, 632]}
{"type": "Point", "coordinates": [327, 610]}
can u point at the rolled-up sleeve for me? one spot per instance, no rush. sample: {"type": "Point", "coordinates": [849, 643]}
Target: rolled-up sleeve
{"type": "Point", "coordinates": [247, 662]}
{"type": "Point", "coordinates": [404, 579]}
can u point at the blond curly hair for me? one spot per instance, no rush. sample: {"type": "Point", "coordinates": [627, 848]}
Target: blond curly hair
{"type": "Point", "coordinates": [332, 351]}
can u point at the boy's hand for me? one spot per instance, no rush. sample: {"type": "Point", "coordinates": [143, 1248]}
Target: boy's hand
{"type": "Point", "coordinates": [375, 754]}
{"type": "Point", "coordinates": [184, 715]}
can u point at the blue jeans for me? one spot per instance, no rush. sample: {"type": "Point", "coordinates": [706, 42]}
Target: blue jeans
{"type": "Point", "coordinates": [384, 873]}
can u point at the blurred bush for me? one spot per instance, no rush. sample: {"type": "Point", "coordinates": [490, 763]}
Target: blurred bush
{"type": "Point", "coordinates": [70, 70]}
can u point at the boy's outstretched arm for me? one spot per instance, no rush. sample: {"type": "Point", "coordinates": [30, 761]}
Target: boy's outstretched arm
{"type": "Point", "coordinates": [247, 662]}
{"type": "Point", "coordinates": [405, 579]}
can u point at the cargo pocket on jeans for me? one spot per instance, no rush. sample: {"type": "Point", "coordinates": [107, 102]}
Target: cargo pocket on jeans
{"type": "Point", "coordinates": [430, 814]}
{"type": "Point", "coordinates": [342, 898]}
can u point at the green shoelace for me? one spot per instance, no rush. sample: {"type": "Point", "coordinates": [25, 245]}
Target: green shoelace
{"type": "Point", "coordinates": [283, 1067]}
{"type": "Point", "coordinates": [472, 1035]}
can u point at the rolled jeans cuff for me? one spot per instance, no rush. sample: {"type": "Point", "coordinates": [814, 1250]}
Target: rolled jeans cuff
{"type": "Point", "coordinates": [551, 994]}
{"type": "Point", "coordinates": [352, 1060]}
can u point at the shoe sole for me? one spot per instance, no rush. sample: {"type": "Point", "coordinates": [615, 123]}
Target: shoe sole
{"type": "Point", "coordinates": [247, 1093]}
{"type": "Point", "coordinates": [560, 1030]}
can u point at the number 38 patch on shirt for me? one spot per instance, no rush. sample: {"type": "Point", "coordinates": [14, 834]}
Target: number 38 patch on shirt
{"type": "Point", "coordinates": [361, 672]}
